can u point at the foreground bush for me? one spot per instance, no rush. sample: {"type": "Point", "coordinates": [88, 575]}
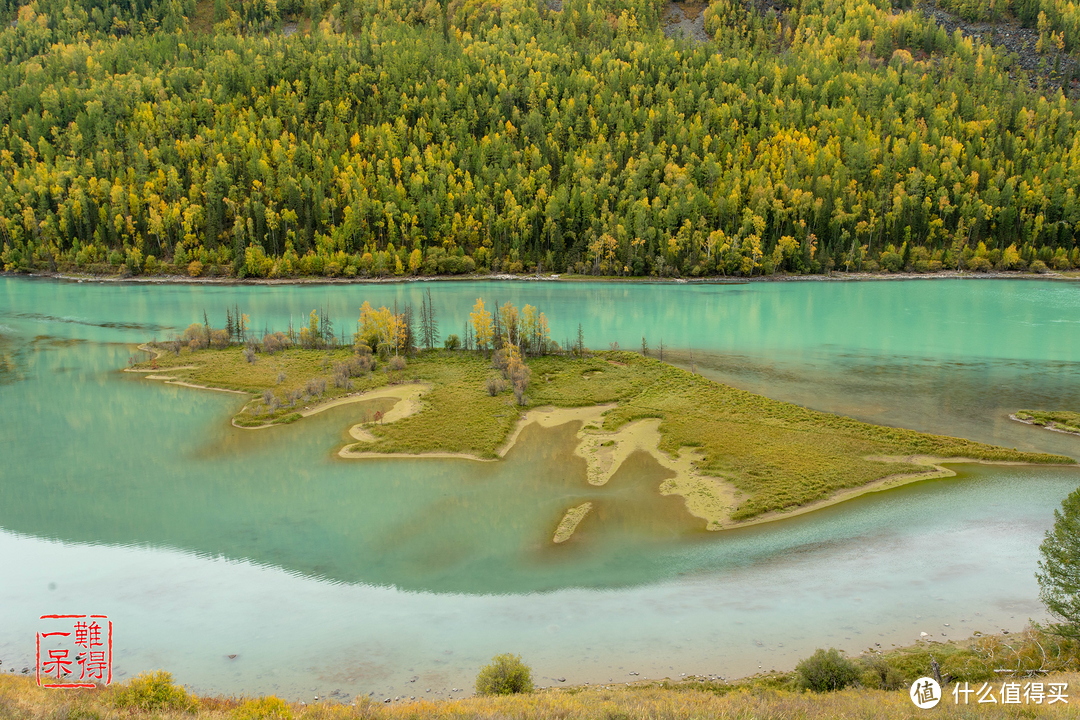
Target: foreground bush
{"type": "Point", "coordinates": [879, 674]}
{"type": "Point", "coordinates": [505, 675]}
{"type": "Point", "coordinates": [264, 708]}
{"type": "Point", "coordinates": [153, 691]}
{"type": "Point", "coordinates": [826, 671]}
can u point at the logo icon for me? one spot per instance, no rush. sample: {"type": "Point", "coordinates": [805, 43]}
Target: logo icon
{"type": "Point", "coordinates": [925, 693]}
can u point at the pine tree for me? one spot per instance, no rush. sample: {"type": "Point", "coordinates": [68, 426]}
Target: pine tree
{"type": "Point", "coordinates": [407, 330]}
{"type": "Point", "coordinates": [1059, 568]}
{"type": "Point", "coordinates": [425, 335]}
{"type": "Point", "coordinates": [433, 323]}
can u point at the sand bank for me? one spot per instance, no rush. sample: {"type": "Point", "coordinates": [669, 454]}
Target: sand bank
{"type": "Point", "coordinates": [171, 380]}
{"type": "Point", "coordinates": [707, 497]}
{"type": "Point", "coordinates": [570, 521]}
{"type": "Point", "coordinates": [547, 417]}
{"type": "Point", "coordinates": [935, 469]}
{"type": "Point", "coordinates": [408, 404]}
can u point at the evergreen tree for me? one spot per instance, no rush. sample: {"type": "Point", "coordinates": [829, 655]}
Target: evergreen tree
{"type": "Point", "coordinates": [1059, 568]}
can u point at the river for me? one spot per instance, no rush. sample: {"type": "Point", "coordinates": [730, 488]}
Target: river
{"type": "Point", "coordinates": [202, 541]}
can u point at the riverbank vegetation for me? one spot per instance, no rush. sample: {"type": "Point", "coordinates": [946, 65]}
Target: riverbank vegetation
{"type": "Point", "coordinates": [1062, 420]}
{"type": "Point", "coordinates": [879, 689]}
{"type": "Point", "coordinates": [751, 455]}
{"type": "Point", "coordinates": [328, 138]}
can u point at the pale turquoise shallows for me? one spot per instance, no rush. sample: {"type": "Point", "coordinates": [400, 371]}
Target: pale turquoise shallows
{"type": "Point", "coordinates": [139, 500]}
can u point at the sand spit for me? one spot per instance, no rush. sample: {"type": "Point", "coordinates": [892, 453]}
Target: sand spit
{"type": "Point", "coordinates": [935, 469]}
{"type": "Point", "coordinates": [408, 404]}
{"type": "Point", "coordinates": [570, 521]}
{"type": "Point", "coordinates": [171, 380]}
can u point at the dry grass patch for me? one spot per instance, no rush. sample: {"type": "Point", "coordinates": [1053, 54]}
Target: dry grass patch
{"type": "Point", "coordinates": [759, 699]}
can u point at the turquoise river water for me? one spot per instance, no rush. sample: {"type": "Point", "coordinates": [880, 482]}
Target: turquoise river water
{"type": "Point", "coordinates": [201, 541]}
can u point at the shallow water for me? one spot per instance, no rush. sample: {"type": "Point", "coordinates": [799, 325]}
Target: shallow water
{"type": "Point", "coordinates": [200, 540]}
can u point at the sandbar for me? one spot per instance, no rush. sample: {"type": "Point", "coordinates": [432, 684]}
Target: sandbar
{"type": "Point", "coordinates": [408, 403]}
{"type": "Point", "coordinates": [570, 521]}
{"type": "Point", "coordinates": [170, 380]}
{"type": "Point", "coordinates": [546, 417]}
{"type": "Point", "coordinates": [935, 470]}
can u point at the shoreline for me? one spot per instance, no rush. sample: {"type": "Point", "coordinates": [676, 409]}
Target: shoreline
{"type": "Point", "coordinates": [936, 470]}
{"type": "Point", "coordinates": [1012, 416]}
{"type": "Point", "coordinates": [779, 681]}
{"type": "Point", "coordinates": [413, 391]}
{"type": "Point", "coordinates": [834, 276]}
{"type": "Point", "coordinates": [168, 379]}
{"type": "Point", "coordinates": [705, 496]}
{"type": "Point", "coordinates": [547, 417]}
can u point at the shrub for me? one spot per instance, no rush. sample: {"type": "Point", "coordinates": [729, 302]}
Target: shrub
{"type": "Point", "coordinates": [265, 708]}
{"type": "Point", "coordinates": [272, 342]}
{"type": "Point", "coordinates": [504, 675]}
{"type": "Point", "coordinates": [452, 342]}
{"type": "Point", "coordinates": [196, 336]}
{"type": "Point", "coordinates": [315, 388]}
{"type": "Point", "coordinates": [1038, 266]}
{"type": "Point", "coordinates": [891, 261]}
{"type": "Point", "coordinates": [219, 339]}
{"type": "Point", "coordinates": [880, 674]}
{"type": "Point", "coordinates": [494, 386]}
{"type": "Point", "coordinates": [195, 268]}
{"type": "Point", "coordinates": [500, 359]}
{"type": "Point", "coordinates": [826, 671]}
{"type": "Point", "coordinates": [153, 691]}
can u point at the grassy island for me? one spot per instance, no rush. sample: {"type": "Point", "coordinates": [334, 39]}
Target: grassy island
{"type": "Point", "coordinates": [1060, 420]}
{"type": "Point", "coordinates": [736, 457]}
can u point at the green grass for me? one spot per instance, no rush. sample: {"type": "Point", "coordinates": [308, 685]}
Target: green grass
{"type": "Point", "coordinates": [1058, 419]}
{"type": "Point", "coordinates": [778, 455]}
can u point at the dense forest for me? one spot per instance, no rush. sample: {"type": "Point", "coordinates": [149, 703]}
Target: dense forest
{"type": "Point", "coordinates": [401, 137]}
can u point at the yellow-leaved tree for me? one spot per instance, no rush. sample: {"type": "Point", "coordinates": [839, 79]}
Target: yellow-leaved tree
{"type": "Point", "coordinates": [381, 329]}
{"type": "Point", "coordinates": [482, 326]}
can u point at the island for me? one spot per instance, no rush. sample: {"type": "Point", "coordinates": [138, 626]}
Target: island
{"type": "Point", "coordinates": [735, 457]}
{"type": "Point", "coordinates": [1062, 421]}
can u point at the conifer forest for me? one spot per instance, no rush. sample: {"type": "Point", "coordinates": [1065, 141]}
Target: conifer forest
{"type": "Point", "coordinates": [383, 138]}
